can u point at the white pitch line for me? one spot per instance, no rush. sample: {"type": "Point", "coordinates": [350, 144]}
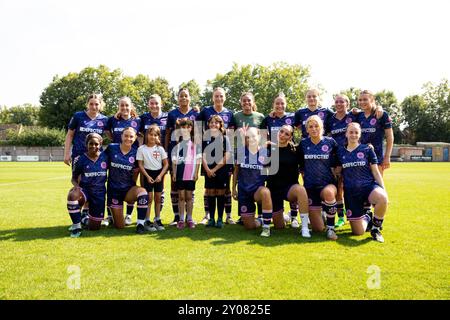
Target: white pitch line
{"type": "Point", "coordinates": [33, 181]}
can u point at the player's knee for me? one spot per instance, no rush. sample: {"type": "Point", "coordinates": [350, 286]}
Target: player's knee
{"type": "Point", "coordinates": [73, 195]}
{"type": "Point", "coordinates": [265, 192]}
{"type": "Point", "coordinates": [299, 192]}
{"type": "Point", "coordinates": [278, 220]}
{"type": "Point", "coordinates": [358, 232]}
{"type": "Point", "coordinates": [249, 222]}
{"type": "Point", "coordinates": [94, 225]}
{"type": "Point", "coordinates": [329, 195]}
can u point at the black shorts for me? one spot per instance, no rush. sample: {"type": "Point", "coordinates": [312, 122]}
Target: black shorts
{"type": "Point", "coordinates": [314, 199]}
{"type": "Point", "coordinates": [96, 201]}
{"type": "Point", "coordinates": [246, 202]}
{"type": "Point", "coordinates": [116, 197]}
{"type": "Point", "coordinates": [356, 201]}
{"type": "Point", "coordinates": [185, 185]}
{"type": "Point", "coordinates": [153, 187]}
{"type": "Point", "coordinates": [220, 181]}
{"type": "Point", "coordinates": [279, 196]}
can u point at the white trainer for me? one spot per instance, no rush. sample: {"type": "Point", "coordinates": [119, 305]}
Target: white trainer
{"type": "Point", "coordinates": [265, 232]}
{"type": "Point", "coordinates": [331, 234]}
{"type": "Point", "coordinates": [306, 233]}
{"type": "Point", "coordinates": [128, 220]}
{"type": "Point", "coordinates": [295, 224]}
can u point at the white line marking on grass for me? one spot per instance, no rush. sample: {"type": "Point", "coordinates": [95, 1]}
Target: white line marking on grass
{"type": "Point", "coordinates": [32, 181]}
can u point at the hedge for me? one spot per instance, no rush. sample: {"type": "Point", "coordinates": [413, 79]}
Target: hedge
{"type": "Point", "coordinates": [35, 137]}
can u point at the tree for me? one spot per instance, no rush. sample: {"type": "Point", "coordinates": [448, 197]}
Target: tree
{"type": "Point", "coordinates": [66, 95]}
{"type": "Point", "coordinates": [27, 115]}
{"type": "Point", "coordinates": [264, 82]}
{"type": "Point", "coordinates": [390, 104]}
{"type": "Point", "coordinates": [427, 116]}
{"type": "Point", "coordinates": [416, 120]}
{"type": "Point", "coordinates": [140, 88]}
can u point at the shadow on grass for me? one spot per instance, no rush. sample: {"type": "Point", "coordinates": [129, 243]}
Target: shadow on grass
{"type": "Point", "coordinates": [228, 235]}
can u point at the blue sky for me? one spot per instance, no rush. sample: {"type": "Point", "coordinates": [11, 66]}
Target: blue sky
{"type": "Point", "coordinates": [396, 45]}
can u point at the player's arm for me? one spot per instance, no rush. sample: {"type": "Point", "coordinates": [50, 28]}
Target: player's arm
{"type": "Point", "coordinates": [197, 167]}
{"type": "Point", "coordinates": [163, 171]}
{"type": "Point", "coordinates": [235, 181]}
{"type": "Point", "coordinates": [224, 161]}
{"type": "Point", "coordinates": [135, 174]}
{"type": "Point", "coordinates": [199, 157]}
{"type": "Point", "coordinates": [109, 134]}
{"type": "Point", "coordinates": [67, 144]}
{"type": "Point", "coordinates": [76, 174]}
{"type": "Point", "coordinates": [76, 181]}
{"type": "Point", "coordinates": [377, 175]}
{"type": "Point", "coordinates": [389, 133]}
{"type": "Point", "coordinates": [143, 172]}
{"type": "Point", "coordinates": [205, 166]}
{"type": "Point", "coordinates": [174, 169]}
{"type": "Point", "coordinates": [378, 110]}
{"type": "Point", "coordinates": [167, 139]}
{"type": "Point", "coordinates": [335, 163]}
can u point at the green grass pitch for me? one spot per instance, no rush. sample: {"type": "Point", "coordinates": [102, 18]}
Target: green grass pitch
{"type": "Point", "coordinates": [40, 261]}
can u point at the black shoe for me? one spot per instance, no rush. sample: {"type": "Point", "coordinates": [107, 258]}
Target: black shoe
{"type": "Point", "coordinates": [158, 225]}
{"type": "Point", "coordinates": [369, 226]}
{"type": "Point", "coordinates": [376, 235]}
{"type": "Point", "coordinates": [75, 233]}
{"type": "Point", "coordinates": [85, 221]}
{"type": "Point", "coordinates": [140, 229]}
{"type": "Point", "coordinates": [148, 225]}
